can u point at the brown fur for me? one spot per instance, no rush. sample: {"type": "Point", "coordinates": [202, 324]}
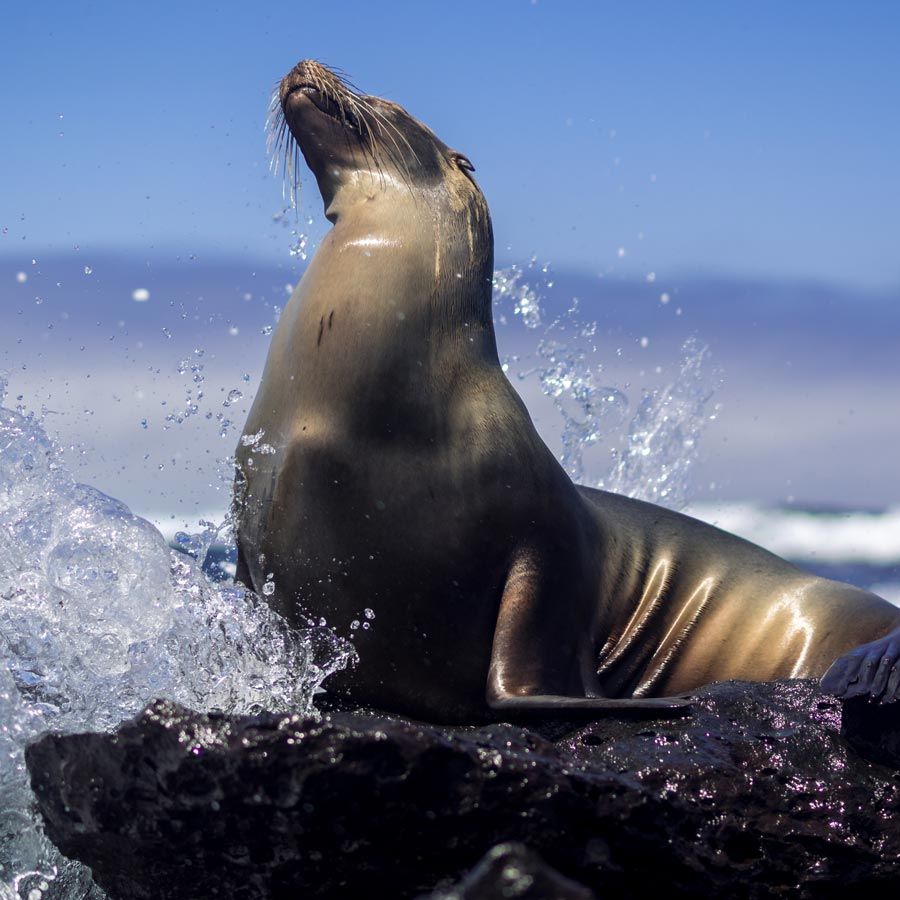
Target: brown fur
{"type": "Point", "coordinates": [409, 479]}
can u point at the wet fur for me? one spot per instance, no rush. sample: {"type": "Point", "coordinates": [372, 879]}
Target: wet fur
{"type": "Point", "coordinates": [408, 477]}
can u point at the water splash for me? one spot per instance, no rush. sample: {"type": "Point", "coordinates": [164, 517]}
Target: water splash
{"type": "Point", "coordinates": [299, 244]}
{"type": "Point", "coordinates": [662, 444]}
{"type": "Point", "coordinates": [653, 458]}
{"type": "Point", "coordinates": [99, 616]}
{"type": "Point", "coordinates": [511, 289]}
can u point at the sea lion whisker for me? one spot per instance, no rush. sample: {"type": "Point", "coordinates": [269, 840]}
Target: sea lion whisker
{"type": "Point", "coordinates": [381, 118]}
{"type": "Point", "coordinates": [274, 111]}
{"type": "Point", "coordinates": [273, 123]}
{"type": "Point", "coordinates": [290, 171]}
{"type": "Point", "coordinates": [363, 127]}
{"type": "Point", "coordinates": [367, 143]}
{"type": "Point", "coordinates": [276, 145]}
{"type": "Point", "coordinates": [369, 140]}
{"type": "Point", "coordinates": [392, 153]}
{"type": "Point", "coordinates": [337, 71]}
{"type": "Point", "coordinates": [389, 125]}
{"type": "Point", "coordinates": [283, 151]}
{"type": "Point", "coordinates": [294, 177]}
{"type": "Point", "coordinates": [274, 101]}
{"type": "Point", "coordinates": [395, 155]}
{"type": "Point", "coordinates": [276, 126]}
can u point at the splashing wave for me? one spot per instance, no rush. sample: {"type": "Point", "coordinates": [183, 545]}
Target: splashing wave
{"type": "Point", "coordinates": [98, 616]}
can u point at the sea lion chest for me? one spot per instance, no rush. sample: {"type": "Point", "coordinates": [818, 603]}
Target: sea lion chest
{"type": "Point", "coordinates": [349, 528]}
{"type": "Point", "coordinates": [373, 482]}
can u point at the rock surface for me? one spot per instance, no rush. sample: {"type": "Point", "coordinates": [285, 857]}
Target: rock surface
{"type": "Point", "coordinates": [756, 795]}
{"type": "Point", "coordinates": [512, 870]}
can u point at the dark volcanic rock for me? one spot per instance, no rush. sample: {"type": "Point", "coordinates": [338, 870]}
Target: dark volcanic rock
{"type": "Point", "coordinates": [512, 870]}
{"type": "Point", "coordinates": [873, 729]}
{"type": "Point", "coordinates": [756, 795]}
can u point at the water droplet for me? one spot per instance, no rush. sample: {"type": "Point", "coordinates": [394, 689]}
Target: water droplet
{"type": "Point", "coordinates": [644, 342]}
{"type": "Point", "coordinates": [233, 330]}
{"type": "Point", "coordinates": [664, 298]}
{"type": "Point", "coordinates": [266, 329]}
{"type": "Point", "coordinates": [251, 440]}
{"type": "Point", "coordinates": [21, 277]}
{"type": "Point", "coordinates": [88, 270]}
{"type": "Point", "coordinates": [268, 588]}
{"type": "Point", "coordinates": [620, 252]}
{"type": "Point", "coordinates": [651, 277]}
{"type": "Point", "coordinates": [369, 613]}
{"type": "Point", "coordinates": [140, 295]}
{"type": "Point", "coordinates": [298, 248]}
{"type": "Point", "coordinates": [233, 396]}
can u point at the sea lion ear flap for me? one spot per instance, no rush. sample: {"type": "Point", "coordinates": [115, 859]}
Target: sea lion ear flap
{"type": "Point", "coordinates": [462, 161]}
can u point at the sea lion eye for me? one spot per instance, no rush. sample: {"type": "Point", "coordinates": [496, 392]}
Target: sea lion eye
{"type": "Point", "coordinates": [463, 162]}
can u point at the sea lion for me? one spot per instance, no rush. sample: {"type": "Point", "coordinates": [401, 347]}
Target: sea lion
{"type": "Point", "coordinates": [388, 466]}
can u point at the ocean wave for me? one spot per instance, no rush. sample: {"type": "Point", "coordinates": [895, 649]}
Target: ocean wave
{"type": "Point", "coordinates": [836, 536]}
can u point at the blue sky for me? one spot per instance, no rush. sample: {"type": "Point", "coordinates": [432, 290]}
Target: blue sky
{"type": "Point", "coordinates": [742, 138]}
{"type": "Point", "coordinates": [755, 140]}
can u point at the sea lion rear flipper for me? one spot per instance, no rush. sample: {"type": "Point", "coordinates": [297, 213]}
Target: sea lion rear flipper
{"type": "Point", "coordinates": [536, 654]}
{"type": "Point", "coordinates": [873, 669]}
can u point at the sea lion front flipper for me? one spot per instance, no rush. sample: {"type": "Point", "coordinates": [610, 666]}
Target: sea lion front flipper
{"type": "Point", "coordinates": [873, 669]}
{"type": "Point", "coordinates": [537, 653]}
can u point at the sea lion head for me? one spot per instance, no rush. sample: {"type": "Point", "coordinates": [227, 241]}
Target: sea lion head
{"type": "Point", "coordinates": [350, 139]}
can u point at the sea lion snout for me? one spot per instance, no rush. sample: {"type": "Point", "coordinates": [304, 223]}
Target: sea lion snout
{"type": "Point", "coordinates": [309, 88]}
{"type": "Point", "coordinates": [309, 77]}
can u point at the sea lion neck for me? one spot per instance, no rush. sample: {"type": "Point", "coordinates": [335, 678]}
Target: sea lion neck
{"type": "Point", "coordinates": [441, 238]}
{"type": "Point", "coordinates": [367, 196]}
{"type": "Point", "coordinates": [370, 319]}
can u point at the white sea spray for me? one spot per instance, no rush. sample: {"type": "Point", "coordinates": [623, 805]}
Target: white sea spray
{"type": "Point", "coordinates": [652, 443]}
{"type": "Point", "coordinates": [98, 615]}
